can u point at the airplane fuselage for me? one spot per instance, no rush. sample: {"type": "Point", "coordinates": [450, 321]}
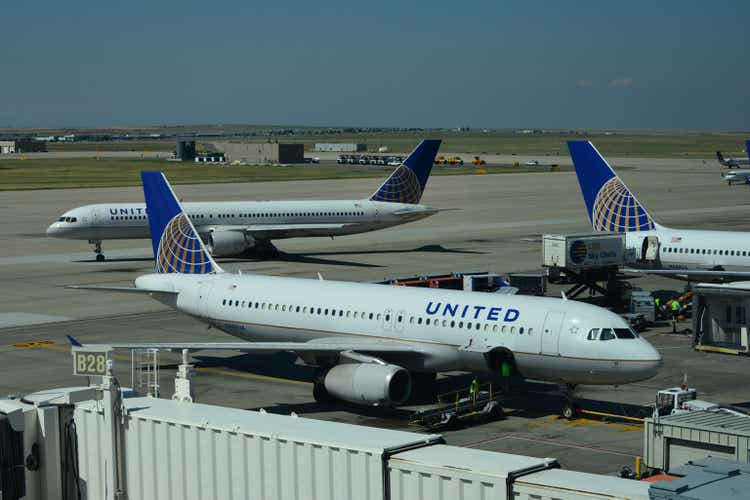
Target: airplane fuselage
{"type": "Point", "coordinates": [694, 248]}
{"type": "Point", "coordinates": [113, 221]}
{"type": "Point", "coordinates": [548, 338]}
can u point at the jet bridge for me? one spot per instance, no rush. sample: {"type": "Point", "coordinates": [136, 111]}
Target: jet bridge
{"type": "Point", "coordinates": [720, 317]}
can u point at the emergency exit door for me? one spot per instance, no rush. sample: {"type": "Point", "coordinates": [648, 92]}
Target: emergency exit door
{"type": "Point", "coordinates": [551, 333]}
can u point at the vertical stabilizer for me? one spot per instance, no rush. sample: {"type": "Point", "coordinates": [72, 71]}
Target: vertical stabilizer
{"type": "Point", "coordinates": [176, 244]}
{"type": "Point", "coordinates": [609, 202]}
{"type": "Point", "coordinates": [406, 184]}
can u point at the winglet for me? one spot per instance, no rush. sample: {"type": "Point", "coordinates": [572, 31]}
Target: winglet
{"type": "Point", "coordinates": [720, 157]}
{"type": "Point", "coordinates": [73, 341]}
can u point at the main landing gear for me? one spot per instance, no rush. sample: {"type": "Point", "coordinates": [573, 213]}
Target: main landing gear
{"type": "Point", "coordinates": [568, 407]}
{"type": "Point", "coordinates": [98, 250]}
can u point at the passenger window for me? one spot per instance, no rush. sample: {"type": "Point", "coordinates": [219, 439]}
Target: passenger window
{"type": "Point", "coordinates": [400, 319]}
{"type": "Point", "coordinates": [427, 321]}
{"type": "Point", "coordinates": [468, 326]}
{"type": "Point", "coordinates": [505, 328]}
{"type": "Point", "coordinates": [531, 330]}
{"type": "Point", "coordinates": [224, 302]}
{"type": "Point", "coordinates": [378, 316]}
{"type": "Point", "coordinates": [370, 315]}
{"type": "Point", "coordinates": [494, 328]}
{"type": "Point", "coordinates": [478, 325]}
{"type": "Point", "coordinates": [453, 324]}
{"type": "Point", "coordinates": [419, 321]}
{"type": "Point", "coordinates": [520, 330]}
{"type": "Point", "coordinates": [387, 317]}
{"type": "Point", "coordinates": [512, 329]}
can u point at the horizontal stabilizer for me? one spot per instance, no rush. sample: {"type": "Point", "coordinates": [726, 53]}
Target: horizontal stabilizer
{"type": "Point", "coordinates": [119, 289]}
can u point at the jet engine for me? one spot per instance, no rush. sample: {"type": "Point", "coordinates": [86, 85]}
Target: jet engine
{"type": "Point", "coordinates": [369, 383]}
{"type": "Point", "coordinates": [229, 243]}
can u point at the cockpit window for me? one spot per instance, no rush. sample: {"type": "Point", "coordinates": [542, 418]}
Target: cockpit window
{"type": "Point", "coordinates": [61, 219]}
{"type": "Point", "coordinates": [625, 333]}
{"type": "Point", "coordinates": [593, 334]}
{"type": "Point", "coordinates": [607, 334]}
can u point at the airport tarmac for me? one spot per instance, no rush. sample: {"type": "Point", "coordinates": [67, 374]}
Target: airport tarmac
{"type": "Point", "coordinates": [497, 228]}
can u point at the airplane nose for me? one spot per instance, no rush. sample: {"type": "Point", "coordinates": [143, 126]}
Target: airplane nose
{"type": "Point", "coordinates": [52, 229]}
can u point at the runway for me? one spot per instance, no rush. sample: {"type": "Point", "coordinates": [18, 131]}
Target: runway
{"type": "Point", "coordinates": [497, 227]}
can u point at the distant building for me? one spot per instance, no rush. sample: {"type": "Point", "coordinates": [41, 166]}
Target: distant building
{"type": "Point", "coordinates": [262, 153]}
{"type": "Point", "coordinates": [22, 146]}
{"type": "Point", "coordinates": [185, 151]}
{"type": "Point", "coordinates": [210, 158]}
{"type": "Point", "coordinates": [340, 147]}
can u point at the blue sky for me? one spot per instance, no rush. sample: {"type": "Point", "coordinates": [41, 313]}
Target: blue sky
{"type": "Point", "coordinates": [583, 64]}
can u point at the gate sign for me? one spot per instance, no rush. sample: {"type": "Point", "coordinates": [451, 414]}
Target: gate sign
{"type": "Point", "coordinates": [91, 362]}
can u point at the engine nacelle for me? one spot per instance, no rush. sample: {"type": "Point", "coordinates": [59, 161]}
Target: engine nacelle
{"type": "Point", "coordinates": [369, 383]}
{"type": "Point", "coordinates": [229, 243]}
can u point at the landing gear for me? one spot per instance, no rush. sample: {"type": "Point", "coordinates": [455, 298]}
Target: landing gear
{"type": "Point", "coordinates": [568, 407]}
{"type": "Point", "coordinates": [320, 394]}
{"type": "Point", "coordinates": [98, 250]}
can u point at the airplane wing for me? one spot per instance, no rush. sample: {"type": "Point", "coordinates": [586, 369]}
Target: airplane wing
{"type": "Point", "coordinates": [694, 274]}
{"type": "Point", "coordinates": [323, 346]}
{"type": "Point", "coordinates": [274, 231]}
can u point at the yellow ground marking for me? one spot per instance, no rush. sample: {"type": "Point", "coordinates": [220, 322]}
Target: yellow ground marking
{"type": "Point", "coordinates": [582, 422]}
{"type": "Point", "coordinates": [36, 343]}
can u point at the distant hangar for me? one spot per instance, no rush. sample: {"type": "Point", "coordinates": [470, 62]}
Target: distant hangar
{"type": "Point", "coordinates": [262, 153]}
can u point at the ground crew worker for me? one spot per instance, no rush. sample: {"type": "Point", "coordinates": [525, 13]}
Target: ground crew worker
{"type": "Point", "coordinates": [505, 373]}
{"type": "Point", "coordinates": [474, 390]}
{"type": "Point", "coordinates": [675, 314]}
{"type": "Point", "coordinates": [657, 306]}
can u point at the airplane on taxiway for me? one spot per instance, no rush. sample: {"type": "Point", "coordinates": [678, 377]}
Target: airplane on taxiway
{"type": "Point", "coordinates": [231, 228]}
{"type": "Point", "coordinates": [735, 162]}
{"type": "Point", "coordinates": [372, 343]}
{"type": "Point", "coordinates": [679, 253]}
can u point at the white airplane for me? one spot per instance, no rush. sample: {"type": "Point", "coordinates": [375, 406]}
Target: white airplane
{"type": "Point", "coordinates": [371, 341]}
{"type": "Point", "coordinates": [735, 176]}
{"type": "Point", "coordinates": [234, 227]}
{"type": "Point", "coordinates": [679, 253]}
{"type": "Point", "coordinates": [735, 162]}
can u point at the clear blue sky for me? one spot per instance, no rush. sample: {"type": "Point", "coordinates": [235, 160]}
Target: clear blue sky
{"type": "Point", "coordinates": [598, 64]}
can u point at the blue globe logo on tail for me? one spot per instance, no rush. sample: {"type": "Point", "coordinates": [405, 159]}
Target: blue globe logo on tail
{"type": "Point", "coordinates": [406, 184]}
{"type": "Point", "coordinates": [180, 251]}
{"type": "Point", "coordinates": [616, 209]}
{"type": "Point", "coordinates": [402, 187]}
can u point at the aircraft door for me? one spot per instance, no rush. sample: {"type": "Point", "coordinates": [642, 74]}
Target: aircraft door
{"type": "Point", "coordinates": [387, 320]}
{"type": "Point", "coordinates": [204, 296]}
{"type": "Point", "coordinates": [650, 249]}
{"type": "Point", "coordinates": [549, 339]}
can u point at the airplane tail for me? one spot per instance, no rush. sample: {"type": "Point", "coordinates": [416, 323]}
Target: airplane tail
{"type": "Point", "coordinates": [176, 244]}
{"type": "Point", "coordinates": [406, 184]}
{"type": "Point", "coordinates": [747, 148]}
{"type": "Point", "coordinates": [720, 157]}
{"type": "Point", "coordinates": [611, 205]}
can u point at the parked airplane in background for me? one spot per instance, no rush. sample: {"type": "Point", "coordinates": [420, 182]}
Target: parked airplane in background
{"type": "Point", "coordinates": [235, 227]}
{"type": "Point", "coordinates": [735, 176]}
{"type": "Point", "coordinates": [735, 162]}
{"type": "Point", "coordinates": [680, 253]}
{"type": "Point", "coordinates": [371, 341]}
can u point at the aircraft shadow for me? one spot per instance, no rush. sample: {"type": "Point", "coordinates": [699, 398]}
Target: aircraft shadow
{"type": "Point", "coordinates": [424, 248]}
{"type": "Point", "coordinates": [114, 261]}
{"type": "Point", "coordinates": [299, 258]}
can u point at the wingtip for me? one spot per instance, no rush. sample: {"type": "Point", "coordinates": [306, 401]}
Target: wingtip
{"type": "Point", "coordinates": [73, 341]}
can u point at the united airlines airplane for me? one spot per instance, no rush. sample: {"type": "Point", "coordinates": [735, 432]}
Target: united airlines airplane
{"type": "Point", "coordinates": [233, 228]}
{"type": "Point", "coordinates": [371, 342]}
{"type": "Point", "coordinates": [735, 162]}
{"type": "Point", "coordinates": [680, 253]}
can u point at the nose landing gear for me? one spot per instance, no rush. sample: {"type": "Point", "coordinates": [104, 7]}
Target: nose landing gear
{"type": "Point", "coordinates": [568, 407]}
{"type": "Point", "coordinates": [98, 250]}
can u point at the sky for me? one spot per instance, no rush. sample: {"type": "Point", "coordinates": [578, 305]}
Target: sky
{"type": "Point", "coordinates": [494, 64]}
